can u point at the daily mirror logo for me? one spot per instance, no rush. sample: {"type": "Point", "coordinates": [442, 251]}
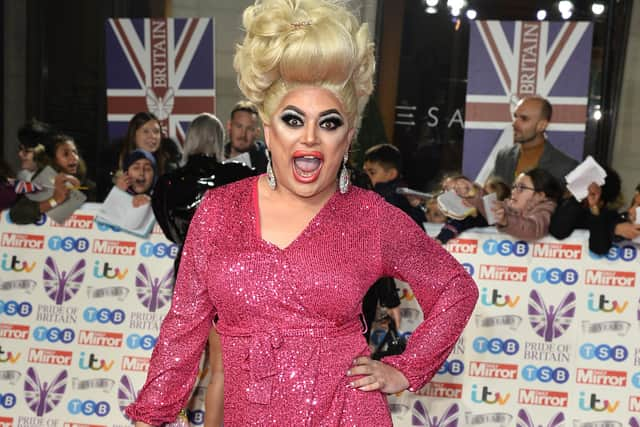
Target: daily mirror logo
{"type": "Point", "coordinates": [528, 396]}
{"type": "Point", "coordinates": [601, 377]}
{"type": "Point", "coordinates": [505, 371]}
{"type": "Point", "coordinates": [557, 251]}
{"type": "Point", "coordinates": [100, 338]}
{"type": "Point", "coordinates": [114, 247]}
{"type": "Point", "coordinates": [50, 357]}
{"type": "Point", "coordinates": [508, 273]}
{"type": "Point", "coordinates": [620, 279]}
{"type": "Point", "coordinates": [22, 241]}
{"type": "Point", "coordinates": [77, 221]}
{"type": "Point", "coordinates": [462, 246]}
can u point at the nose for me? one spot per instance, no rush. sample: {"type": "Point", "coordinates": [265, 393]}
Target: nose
{"type": "Point", "coordinates": [309, 135]}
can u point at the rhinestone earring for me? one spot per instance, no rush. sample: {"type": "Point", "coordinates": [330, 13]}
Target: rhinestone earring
{"type": "Point", "coordinates": [271, 178]}
{"type": "Point", "coordinates": [343, 182]}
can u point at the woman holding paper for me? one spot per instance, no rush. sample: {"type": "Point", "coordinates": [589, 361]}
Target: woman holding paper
{"type": "Point", "coordinates": [285, 259]}
{"type": "Point", "coordinates": [598, 213]}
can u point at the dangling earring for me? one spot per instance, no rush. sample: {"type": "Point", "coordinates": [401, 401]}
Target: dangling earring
{"type": "Point", "coordinates": [343, 182]}
{"type": "Point", "coordinates": [271, 178]}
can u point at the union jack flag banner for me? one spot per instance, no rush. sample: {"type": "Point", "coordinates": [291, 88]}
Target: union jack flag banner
{"type": "Point", "coordinates": [511, 59]}
{"type": "Point", "coordinates": [164, 66]}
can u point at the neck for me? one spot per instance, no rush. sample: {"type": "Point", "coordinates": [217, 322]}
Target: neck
{"type": "Point", "coordinates": [536, 142]}
{"type": "Point", "coordinates": [233, 152]}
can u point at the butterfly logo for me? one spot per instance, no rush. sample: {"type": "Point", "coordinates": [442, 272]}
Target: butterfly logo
{"type": "Point", "coordinates": [153, 293]}
{"type": "Point", "coordinates": [62, 286]}
{"type": "Point", "coordinates": [633, 422]}
{"type": "Point", "coordinates": [43, 397]}
{"type": "Point", "coordinates": [551, 322]}
{"type": "Point", "coordinates": [126, 393]}
{"type": "Point", "coordinates": [525, 420]}
{"type": "Point", "coordinates": [161, 106]}
{"type": "Point", "coordinates": [420, 416]}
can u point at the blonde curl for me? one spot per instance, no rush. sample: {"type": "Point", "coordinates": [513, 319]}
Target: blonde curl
{"type": "Point", "coordinates": [292, 43]}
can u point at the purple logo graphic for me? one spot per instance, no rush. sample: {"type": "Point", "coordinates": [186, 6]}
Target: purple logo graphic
{"type": "Point", "coordinates": [43, 397]}
{"type": "Point", "coordinates": [126, 393]}
{"type": "Point", "coordinates": [59, 286]}
{"type": "Point", "coordinates": [420, 416]}
{"type": "Point", "coordinates": [153, 293]}
{"type": "Point", "coordinates": [551, 322]}
{"type": "Point", "coordinates": [633, 422]}
{"type": "Point", "coordinates": [525, 420]}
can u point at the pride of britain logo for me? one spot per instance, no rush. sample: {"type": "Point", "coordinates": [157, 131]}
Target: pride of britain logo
{"type": "Point", "coordinates": [61, 286]}
{"type": "Point", "coordinates": [550, 322]}
{"type": "Point", "coordinates": [42, 397]}
{"type": "Point", "coordinates": [154, 293]}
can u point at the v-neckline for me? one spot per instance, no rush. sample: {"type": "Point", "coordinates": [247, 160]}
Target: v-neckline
{"type": "Point", "coordinates": [258, 225]}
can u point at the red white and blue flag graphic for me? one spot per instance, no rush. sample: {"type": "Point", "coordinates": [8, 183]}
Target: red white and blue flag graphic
{"type": "Point", "coordinates": [511, 59]}
{"type": "Point", "coordinates": [165, 66]}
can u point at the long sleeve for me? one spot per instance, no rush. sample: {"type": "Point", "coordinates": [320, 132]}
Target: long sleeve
{"type": "Point", "coordinates": [444, 290]}
{"type": "Point", "coordinates": [531, 225]}
{"type": "Point", "coordinates": [568, 216]}
{"type": "Point", "coordinates": [183, 335]}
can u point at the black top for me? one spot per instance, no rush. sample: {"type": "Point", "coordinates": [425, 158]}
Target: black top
{"type": "Point", "coordinates": [177, 194]}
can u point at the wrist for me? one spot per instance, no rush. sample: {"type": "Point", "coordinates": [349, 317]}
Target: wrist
{"type": "Point", "coordinates": [52, 203]}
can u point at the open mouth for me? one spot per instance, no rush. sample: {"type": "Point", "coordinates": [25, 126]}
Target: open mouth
{"type": "Point", "coordinates": [307, 165]}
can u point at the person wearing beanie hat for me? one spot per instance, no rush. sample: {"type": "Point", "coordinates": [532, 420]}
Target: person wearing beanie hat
{"type": "Point", "coordinates": [140, 172]}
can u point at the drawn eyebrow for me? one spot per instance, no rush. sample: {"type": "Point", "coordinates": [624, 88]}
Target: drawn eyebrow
{"type": "Point", "coordinates": [331, 111]}
{"type": "Point", "coordinates": [295, 109]}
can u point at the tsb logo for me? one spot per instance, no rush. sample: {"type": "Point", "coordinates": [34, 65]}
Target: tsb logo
{"type": "Point", "coordinates": [14, 308]}
{"type": "Point", "coordinates": [468, 268]}
{"type": "Point", "coordinates": [145, 342]}
{"type": "Point", "coordinates": [159, 250]}
{"type": "Point", "coordinates": [604, 352]}
{"type": "Point", "coordinates": [505, 247]}
{"type": "Point", "coordinates": [496, 346]}
{"type": "Point", "coordinates": [452, 367]}
{"type": "Point", "coordinates": [623, 253]}
{"type": "Point", "coordinates": [545, 374]}
{"type": "Point", "coordinates": [554, 276]}
{"type": "Point", "coordinates": [7, 400]}
{"type": "Point", "coordinates": [68, 244]}
{"type": "Point", "coordinates": [103, 315]}
{"type": "Point", "coordinates": [88, 407]}
{"type": "Point", "coordinates": [54, 334]}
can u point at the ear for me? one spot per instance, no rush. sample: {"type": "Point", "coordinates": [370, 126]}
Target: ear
{"type": "Point", "coordinates": [393, 173]}
{"type": "Point", "coordinates": [350, 135]}
{"type": "Point", "coordinates": [542, 125]}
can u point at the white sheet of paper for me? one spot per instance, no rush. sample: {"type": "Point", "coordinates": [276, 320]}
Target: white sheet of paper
{"type": "Point", "coordinates": [488, 200]}
{"type": "Point", "coordinates": [118, 210]}
{"type": "Point", "coordinates": [579, 179]}
{"type": "Point", "coordinates": [452, 206]}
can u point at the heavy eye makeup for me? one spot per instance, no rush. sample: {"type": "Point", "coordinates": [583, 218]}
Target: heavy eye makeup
{"type": "Point", "coordinates": [292, 118]}
{"type": "Point", "coordinates": [331, 121]}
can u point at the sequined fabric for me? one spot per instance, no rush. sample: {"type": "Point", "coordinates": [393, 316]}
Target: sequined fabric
{"type": "Point", "coordinates": [289, 318]}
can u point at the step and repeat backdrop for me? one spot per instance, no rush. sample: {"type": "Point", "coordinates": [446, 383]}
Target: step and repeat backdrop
{"type": "Point", "coordinates": [554, 339]}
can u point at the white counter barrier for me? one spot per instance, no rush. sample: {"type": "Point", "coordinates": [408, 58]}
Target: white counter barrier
{"type": "Point", "coordinates": [554, 338]}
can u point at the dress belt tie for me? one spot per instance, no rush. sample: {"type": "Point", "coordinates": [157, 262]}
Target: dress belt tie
{"type": "Point", "coordinates": [260, 361]}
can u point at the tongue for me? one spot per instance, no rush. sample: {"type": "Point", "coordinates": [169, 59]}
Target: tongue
{"type": "Point", "coordinates": [307, 164]}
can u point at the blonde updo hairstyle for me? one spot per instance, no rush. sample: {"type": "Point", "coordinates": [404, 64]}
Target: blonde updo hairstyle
{"type": "Point", "coordinates": [293, 43]}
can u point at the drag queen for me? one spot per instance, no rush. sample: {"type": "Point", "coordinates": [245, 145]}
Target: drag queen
{"type": "Point", "coordinates": [285, 259]}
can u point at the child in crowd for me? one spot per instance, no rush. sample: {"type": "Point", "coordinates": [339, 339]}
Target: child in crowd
{"type": "Point", "coordinates": [629, 227]}
{"type": "Point", "coordinates": [383, 165]}
{"type": "Point", "coordinates": [598, 213]}
{"type": "Point", "coordinates": [139, 176]}
{"type": "Point", "coordinates": [527, 213]}
{"type": "Point", "coordinates": [61, 154]}
{"type": "Point", "coordinates": [433, 213]}
{"type": "Point", "coordinates": [32, 136]}
{"type": "Point", "coordinates": [472, 193]}
{"type": "Point", "coordinates": [495, 184]}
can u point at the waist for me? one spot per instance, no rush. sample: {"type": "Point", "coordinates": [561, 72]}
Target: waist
{"type": "Point", "coordinates": [351, 328]}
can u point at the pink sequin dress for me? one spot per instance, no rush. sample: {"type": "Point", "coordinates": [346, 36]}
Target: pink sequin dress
{"type": "Point", "coordinates": [289, 318]}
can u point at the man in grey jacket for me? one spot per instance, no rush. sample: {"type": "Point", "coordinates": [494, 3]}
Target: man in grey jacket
{"type": "Point", "coordinates": [531, 149]}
